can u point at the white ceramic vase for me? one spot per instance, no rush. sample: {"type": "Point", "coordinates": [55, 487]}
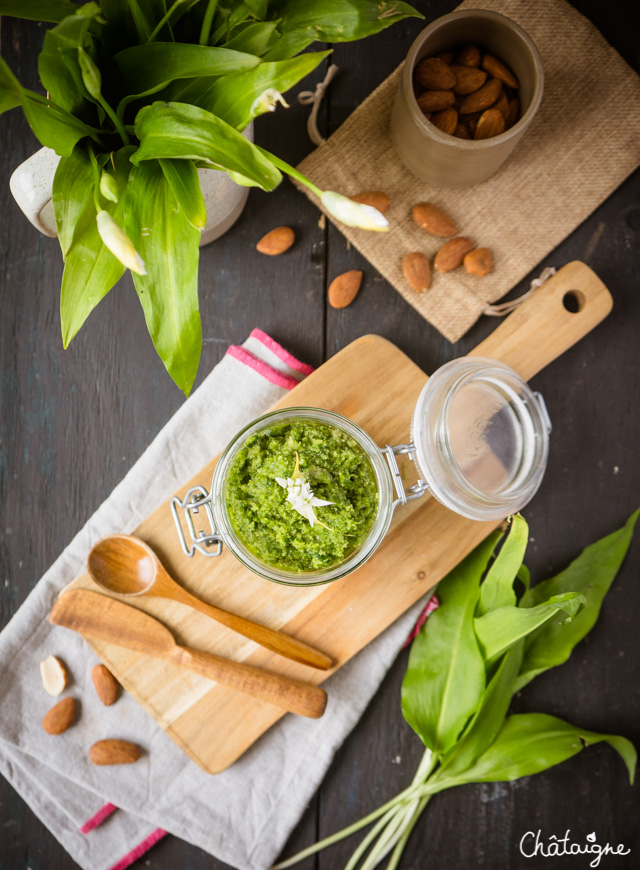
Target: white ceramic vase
{"type": "Point", "coordinates": [32, 183]}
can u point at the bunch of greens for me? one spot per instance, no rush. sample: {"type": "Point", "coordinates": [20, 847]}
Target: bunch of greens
{"type": "Point", "coordinates": [487, 639]}
{"type": "Point", "coordinates": [142, 93]}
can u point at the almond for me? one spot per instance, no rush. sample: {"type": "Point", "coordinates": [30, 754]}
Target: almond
{"type": "Point", "coordinates": [462, 131]}
{"type": "Point", "coordinates": [513, 114]}
{"type": "Point", "coordinates": [106, 685]}
{"type": "Point", "coordinates": [114, 752]}
{"type": "Point", "coordinates": [417, 271]}
{"type": "Point", "coordinates": [60, 717]}
{"type": "Point", "coordinates": [276, 242]}
{"type": "Point", "coordinates": [451, 254]}
{"type": "Point", "coordinates": [502, 104]}
{"type": "Point", "coordinates": [376, 198]}
{"type": "Point", "coordinates": [434, 220]}
{"type": "Point", "coordinates": [468, 79]}
{"type": "Point", "coordinates": [344, 289]}
{"type": "Point", "coordinates": [478, 262]}
{"type": "Point", "coordinates": [434, 74]}
{"type": "Point", "coordinates": [446, 56]}
{"type": "Point", "coordinates": [54, 676]}
{"type": "Point", "coordinates": [469, 56]}
{"type": "Point", "coordinates": [490, 123]}
{"type": "Point", "coordinates": [481, 99]}
{"type": "Point", "coordinates": [436, 101]}
{"type": "Point", "coordinates": [499, 70]}
{"type": "Point", "coordinates": [446, 120]}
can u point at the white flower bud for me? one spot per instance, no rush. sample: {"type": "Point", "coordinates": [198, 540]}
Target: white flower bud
{"type": "Point", "coordinates": [119, 243]}
{"type": "Point", "coordinates": [354, 214]}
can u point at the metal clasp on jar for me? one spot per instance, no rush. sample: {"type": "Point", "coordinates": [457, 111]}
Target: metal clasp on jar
{"type": "Point", "coordinates": [196, 499]}
{"type": "Point", "coordinates": [418, 489]}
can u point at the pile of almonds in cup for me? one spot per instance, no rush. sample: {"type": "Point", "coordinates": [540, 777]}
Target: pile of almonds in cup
{"type": "Point", "coordinates": [467, 93]}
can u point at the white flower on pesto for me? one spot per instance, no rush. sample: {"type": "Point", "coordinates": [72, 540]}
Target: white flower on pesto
{"type": "Point", "coordinates": [267, 101]}
{"type": "Point", "coordinates": [300, 497]}
{"type": "Point", "coordinates": [354, 214]}
{"type": "Point", "coordinates": [119, 243]}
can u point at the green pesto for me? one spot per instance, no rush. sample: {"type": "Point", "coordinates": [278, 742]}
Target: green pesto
{"type": "Point", "coordinates": [337, 470]}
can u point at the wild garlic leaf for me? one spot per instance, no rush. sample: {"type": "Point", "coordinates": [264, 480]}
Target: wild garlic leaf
{"type": "Point", "coordinates": [146, 66]}
{"type": "Point", "coordinates": [72, 187]}
{"type": "Point", "coordinates": [182, 177]}
{"type": "Point", "coordinates": [529, 743]}
{"type": "Point", "coordinates": [183, 131]}
{"type": "Point", "coordinates": [499, 629]}
{"type": "Point", "coordinates": [445, 677]}
{"type": "Point", "coordinates": [254, 38]}
{"type": "Point", "coordinates": [232, 97]}
{"type": "Point", "coordinates": [487, 722]}
{"type": "Point", "coordinates": [10, 90]}
{"type": "Point", "coordinates": [591, 574]}
{"type": "Point", "coordinates": [58, 63]}
{"type": "Point", "coordinates": [38, 10]}
{"type": "Point", "coordinates": [168, 293]}
{"type": "Point", "coordinates": [497, 587]}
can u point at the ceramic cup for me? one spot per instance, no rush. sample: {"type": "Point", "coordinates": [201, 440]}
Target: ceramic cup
{"type": "Point", "coordinates": [436, 157]}
{"type": "Point", "coordinates": [32, 188]}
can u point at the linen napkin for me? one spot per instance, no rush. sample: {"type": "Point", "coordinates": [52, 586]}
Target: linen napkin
{"type": "Point", "coordinates": [106, 817]}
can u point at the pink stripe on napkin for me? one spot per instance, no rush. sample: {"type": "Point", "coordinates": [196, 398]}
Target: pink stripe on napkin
{"type": "Point", "coordinates": [262, 368]}
{"type": "Point", "coordinates": [139, 850]}
{"type": "Point", "coordinates": [280, 351]}
{"type": "Point", "coordinates": [102, 814]}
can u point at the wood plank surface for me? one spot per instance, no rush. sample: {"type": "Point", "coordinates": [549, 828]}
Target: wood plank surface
{"type": "Point", "coordinates": [72, 423]}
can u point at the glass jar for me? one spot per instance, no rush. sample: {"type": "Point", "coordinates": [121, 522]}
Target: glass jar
{"type": "Point", "coordinates": [479, 442]}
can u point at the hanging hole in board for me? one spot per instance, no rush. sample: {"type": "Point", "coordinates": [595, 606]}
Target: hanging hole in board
{"type": "Point", "coordinates": [574, 301]}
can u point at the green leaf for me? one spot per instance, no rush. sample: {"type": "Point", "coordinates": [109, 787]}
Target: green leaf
{"type": "Point", "coordinates": [445, 678]}
{"type": "Point", "coordinates": [72, 187]}
{"type": "Point", "coordinates": [332, 21]}
{"type": "Point", "coordinates": [54, 128]}
{"type": "Point", "coordinates": [497, 587]}
{"type": "Point", "coordinates": [255, 38]}
{"type": "Point", "coordinates": [182, 177]}
{"type": "Point", "coordinates": [487, 722]}
{"type": "Point", "coordinates": [147, 66]}
{"type": "Point", "coordinates": [10, 90]}
{"type": "Point", "coordinates": [499, 629]}
{"type": "Point", "coordinates": [257, 7]}
{"type": "Point", "coordinates": [183, 131]}
{"type": "Point", "coordinates": [591, 574]}
{"type": "Point", "coordinates": [232, 97]}
{"type": "Point", "coordinates": [58, 63]}
{"type": "Point", "coordinates": [168, 244]}
{"type": "Point", "coordinates": [37, 10]}
{"type": "Point", "coordinates": [529, 743]}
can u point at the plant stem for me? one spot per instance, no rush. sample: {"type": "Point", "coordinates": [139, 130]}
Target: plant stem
{"type": "Point", "coordinates": [116, 121]}
{"type": "Point", "coordinates": [165, 18]}
{"type": "Point", "coordinates": [373, 833]}
{"type": "Point", "coordinates": [207, 21]}
{"type": "Point", "coordinates": [402, 842]}
{"type": "Point", "coordinates": [289, 170]}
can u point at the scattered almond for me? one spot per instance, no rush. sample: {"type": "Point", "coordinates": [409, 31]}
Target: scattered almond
{"type": "Point", "coordinates": [376, 198]}
{"type": "Point", "coordinates": [344, 289]}
{"type": "Point", "coordinates": [478, 262]}
{"type": "Point", "coordinates": [481, 99]}
{"type": "Point", "coordinates": [446, 120]}
{"type": "Point", "coordinates": [114, 752]}
{"type": "Point", "coordinates": [60, 717]}
{"type": "Point", "coordinates": [434, 74]}
{"type": "Point", "coordinates": [468, 79]}
{"type": "Point", "coordinates": [276, 242]}
{"type": "Point", "coordinates": [514, 112]}
{"type": "Point", "coordinates": [436, 101]}
{"type": "Point", "coordinates": [469, 56]}
{"type": "Point", "coordinates": [417, 271]}
{"type": "Point", "coordinates": [490, 123]}
{"type": "Point", "coordinates": [499, 70]}
{"type": "Point", "coordinates": [106, 685]}
{"type": "Point", "coordinates": [434, 220]}
{"type": "Point", "coordinates": [54, 675]}
{"type": "Point", "coordinates": [451, 254]}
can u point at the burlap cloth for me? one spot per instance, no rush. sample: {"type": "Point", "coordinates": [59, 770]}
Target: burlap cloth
{"type": "Point", "coordinates": [584, 141]}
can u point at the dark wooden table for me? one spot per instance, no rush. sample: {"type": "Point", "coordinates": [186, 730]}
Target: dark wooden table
{"type": "Point", "coordinates": [72, 423]}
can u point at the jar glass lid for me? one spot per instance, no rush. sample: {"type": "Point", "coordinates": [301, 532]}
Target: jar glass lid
{"type": "Point", "coordinates": [481, 438]}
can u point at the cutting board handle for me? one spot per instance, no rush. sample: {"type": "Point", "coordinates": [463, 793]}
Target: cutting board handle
{"type": "Point", "coordinates": [561, 312]}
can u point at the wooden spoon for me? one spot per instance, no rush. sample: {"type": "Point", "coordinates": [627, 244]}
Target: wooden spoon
{"type": "Point", "coordinates": [96, 616]}
{"type": "Point", "coordinates": [125, 565]}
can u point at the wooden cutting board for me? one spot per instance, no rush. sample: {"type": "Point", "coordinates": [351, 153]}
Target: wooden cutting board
{"type": "Point", "coordinates": [372, 382]}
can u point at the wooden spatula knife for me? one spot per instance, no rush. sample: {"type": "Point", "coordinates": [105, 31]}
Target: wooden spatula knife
{"type": "Point", "coordinates": [103, 618]}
